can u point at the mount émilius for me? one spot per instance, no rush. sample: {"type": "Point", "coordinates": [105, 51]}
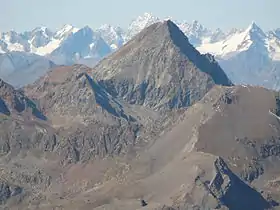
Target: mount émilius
{"type": "Point", "coordinates": [155, 125]}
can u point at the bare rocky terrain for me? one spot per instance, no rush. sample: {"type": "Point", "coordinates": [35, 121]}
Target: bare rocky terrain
{"type": "Point", "coordinates": [155, 125]}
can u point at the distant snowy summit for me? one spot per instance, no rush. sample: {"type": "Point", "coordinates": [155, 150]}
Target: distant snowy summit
{"type": "Point", "coordinates": [252, 38]}
{"type": "Point", "coordinates": [242, 53]}
{"type": "Point", "coordinates": [248, 56]}
{"type": "Point", "coordinates": [43, 41]}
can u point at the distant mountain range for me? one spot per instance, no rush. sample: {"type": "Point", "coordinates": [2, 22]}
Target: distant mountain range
{"type": "Point", "coordinates": [249, 56]}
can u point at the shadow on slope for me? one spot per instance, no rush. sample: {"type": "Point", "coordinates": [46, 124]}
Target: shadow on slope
{"type": "Point", "coordinates": [3, 107]}
{"type": "Point", "coordinates": [14, 101]}
{"type": "Point", "coordinates": [237, 194]}
{"type": "Point", "coordinates": [205, 63]}
{"type": "Point", "coordinates": [103, 99]}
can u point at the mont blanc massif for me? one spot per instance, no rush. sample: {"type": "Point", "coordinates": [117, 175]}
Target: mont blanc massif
{"type": "Point", "coordinates": [162, 115]}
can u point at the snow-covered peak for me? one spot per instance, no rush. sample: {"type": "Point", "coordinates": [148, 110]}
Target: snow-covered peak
{"type": "Point", "coordinates": [252, 40]}
{"type": "Point", "coordinates": [217, 36]}
{"type": "Point", "coordinates": [238, 41]}
{"type": "Point", "coordinates": [106, 27]}
{"type": "Point", "coordinates": [273, 45]}
{"type": "Point", "coordinates": [113, 36]}
{"type": "Point", "coordinates": [11, 36]}
{"type": "Point", "coordinates": [143, 21]}
{"type": "Point", "coordinates": [194, 31]}
{"type": "Point", "coordinates": [65, 31]}
{"type": "Point", "coordinates": [184, 26]}
{"type": "Point", "coordinates": [85, 31]}
{"type": "Point", "coordinates": [40, 37]}
{"type": "Point", "coordinates": [147, 16]}
{"type": "Point", "coordinates": [253, 26]}
{"type": "Point", "coordinates": [140, 23]}
{"type": "Point", "coordinates": [198, 29]}
{"type": "Point", "coordinates": [233, 31]}
{"type": "Point", "coordinates": [13, 41]}
{"type": "Point", "coordinates": [83, 44]}
{"type": "Point", "coordinates": [43, 31]}
{"type": "Point", "coordinates": [66, 27]}
{"type": "Point", "coordinates": [170, 18]}
{"type": "Point", "coordinates": [255, 31]}
{"type": "Point", "coordinates": [196, 26]}
{"type": "Point", "coordinates": [21, 68]}
{"type": "Point", "coordinates": [85, 40]}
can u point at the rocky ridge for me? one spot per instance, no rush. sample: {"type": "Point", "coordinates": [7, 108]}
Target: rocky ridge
{"type": "Point", "coordinates": [165, 72]}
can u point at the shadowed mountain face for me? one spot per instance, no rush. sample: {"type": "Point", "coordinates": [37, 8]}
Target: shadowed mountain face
{"type": "Point", "coordinates": [159, 69]}
{"type": "Point", "coordinates": [15, 102]}
{"type": "Point", "coordinates": [155, 125]}
{"type": "Point", "coordinates": [74, 87]}
{"type": "Point", "coordinates": [84, 45]}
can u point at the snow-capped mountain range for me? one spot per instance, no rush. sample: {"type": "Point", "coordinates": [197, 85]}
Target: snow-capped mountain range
{"type": "Point", "coordinates": [43, 41]}
{"type": "Point", "coordinates": [242, 53]}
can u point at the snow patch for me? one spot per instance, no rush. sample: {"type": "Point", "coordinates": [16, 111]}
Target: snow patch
{"type": "Point", "coordinates": [49, 48]}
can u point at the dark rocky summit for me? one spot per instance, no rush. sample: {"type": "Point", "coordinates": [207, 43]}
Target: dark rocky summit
{"type": "Point", "coordinates": [159, 69]}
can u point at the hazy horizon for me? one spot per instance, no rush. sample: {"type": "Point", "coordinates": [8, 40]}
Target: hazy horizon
{"type": "Point", "coordinates": [26, 15]}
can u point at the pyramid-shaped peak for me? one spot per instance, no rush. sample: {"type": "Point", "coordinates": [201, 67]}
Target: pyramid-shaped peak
{"type": "Point", "coordinates": [253, 27]}
{"type": "Point", "coordinates": [169, 23]}
{"type": "Point", "coordinates": [164, 30]}
{"type": "Point", "coordinates": [85, 31]}
{"type": "Point", "coordinates": [165, 24]}
{"type": "Point", "coordinates": [255, 31]}
{"type": "Point", "coordinates": [159, 61]}
{"type": "Point", "coordinates": [86, 28]}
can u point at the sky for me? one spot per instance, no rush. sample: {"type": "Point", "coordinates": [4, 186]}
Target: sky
{"type": "Point", "coordinates": [22, 15]}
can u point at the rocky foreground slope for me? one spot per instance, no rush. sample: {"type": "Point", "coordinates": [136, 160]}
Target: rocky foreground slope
{"type": "Point", "coordinates": [156, 125]}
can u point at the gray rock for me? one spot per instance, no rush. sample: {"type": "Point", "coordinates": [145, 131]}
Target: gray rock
{"type": "Point", "coordinates": [159, 69]}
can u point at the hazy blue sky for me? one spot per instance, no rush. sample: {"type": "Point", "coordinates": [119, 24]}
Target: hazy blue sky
{"type": "Point", "coordinates": [23, 15]}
